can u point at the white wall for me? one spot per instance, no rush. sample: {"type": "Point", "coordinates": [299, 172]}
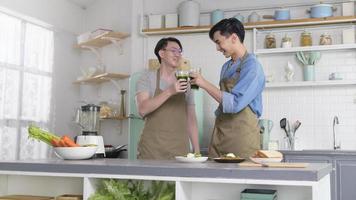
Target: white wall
{"type": "Point", "coordinates": [314, 107]}
{"type": "Point", "coordinates": [115, 15]}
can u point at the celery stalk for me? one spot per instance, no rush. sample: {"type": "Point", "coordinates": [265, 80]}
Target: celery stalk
{"type": "Point", "coordinates": [42, 135]}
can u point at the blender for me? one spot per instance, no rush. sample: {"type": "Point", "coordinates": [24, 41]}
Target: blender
{"type": "Point", "coordinates": [87, 118]}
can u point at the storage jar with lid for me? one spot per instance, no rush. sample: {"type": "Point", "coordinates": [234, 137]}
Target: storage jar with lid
{"type": "Point", "coordinates": [286, 42]}
{"type": "Point", "coordinates": [325, 39]}
{"type": "Point", "coordinates": [189, 12]}
{"type": "Point", "coordinates": [306, 39]}
{"type": "Point", "coordinates": [270, 41]}
{"type": "Point", "coordinates": [216, 16]}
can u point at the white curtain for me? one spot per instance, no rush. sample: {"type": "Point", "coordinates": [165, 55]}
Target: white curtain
{"type": "Point", "coordinates": [26, 60]}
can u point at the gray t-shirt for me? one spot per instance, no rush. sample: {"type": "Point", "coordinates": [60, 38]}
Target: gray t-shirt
{"type": "Point", "coordinates": [147, 83]}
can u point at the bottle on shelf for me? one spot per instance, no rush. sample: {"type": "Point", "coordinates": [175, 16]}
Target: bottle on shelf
{"type": "Point", "coordinates": [286, 42]}
{"type": "Point", "coordinates": [122, 107]}
{"type": "Point", "coordinates": [270, 41]}
{"type": "Point", "coordinates": [306, 39]}
{"type": "Point", "coordinates": [325, 39]}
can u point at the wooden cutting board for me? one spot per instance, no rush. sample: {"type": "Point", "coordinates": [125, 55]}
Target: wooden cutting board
{"type": "Point", "coordinates": [274, 165]}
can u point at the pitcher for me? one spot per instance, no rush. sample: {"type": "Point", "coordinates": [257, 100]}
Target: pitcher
{"type": "Point", "coordinates": [266, 127]}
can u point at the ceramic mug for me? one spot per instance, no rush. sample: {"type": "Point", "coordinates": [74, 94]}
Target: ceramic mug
{"type": "Point", "coordinates": [216, 16]}
{"type": "Point", "coordinates": [240, 17]}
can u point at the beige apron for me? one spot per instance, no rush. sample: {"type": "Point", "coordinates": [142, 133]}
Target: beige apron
{"type": "Point", "coordinates": [236, 133]}
{"type": "Point", "coordinates": [165, 132]}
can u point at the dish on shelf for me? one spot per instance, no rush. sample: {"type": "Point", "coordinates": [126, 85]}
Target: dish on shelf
{"type": "Point", "coordinates": [229, 160]}
{"type": "Point", "coordinates": [191, 159]}
{"type": "Point", "coordinates": [75, 153]}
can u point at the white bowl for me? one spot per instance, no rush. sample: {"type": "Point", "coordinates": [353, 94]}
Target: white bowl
{"type": "Point", "coordinates": [266, 160]}
{"type": "Point", "coordinates": [75, 153]}
{"type": "Point", "coordinates": [191, 160]}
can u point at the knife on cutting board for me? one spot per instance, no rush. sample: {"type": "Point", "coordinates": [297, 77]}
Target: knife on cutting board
{"type": "Point", "coordinates": [274, 165]}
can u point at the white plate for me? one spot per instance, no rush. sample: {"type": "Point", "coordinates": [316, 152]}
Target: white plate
{"type": "Point", "coordinates": [266, 160]}
{"type": "Point", "coordinates": [191, 160]}
{"type": "Point", "coordinates": [75, 153]}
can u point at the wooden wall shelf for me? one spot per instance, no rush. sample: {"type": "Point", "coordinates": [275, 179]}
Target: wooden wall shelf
{"type": "Point", "coordinates": [115, 118]}
{"type": "Point", "coordinates": [103, 40]}
{"type": "Point", "coordinates": [262, 24]}
{"type": "Point", "coordinates": [311, 83]}
{"type": "Point", "coordinates": [102, 78]}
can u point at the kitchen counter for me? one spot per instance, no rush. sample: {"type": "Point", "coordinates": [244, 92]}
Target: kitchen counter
{"type": "Point", "coordinates": [190, 178]}
{"type": "Point", "coordinates": [343, 162]}
{"type": "Point", "coordinates": [210, 169]}
{"type": "Point", "coordinates": [320, 152]}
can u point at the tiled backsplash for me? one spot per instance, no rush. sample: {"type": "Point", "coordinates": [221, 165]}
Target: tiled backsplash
{"type": "Point", "coordinates": [315, 106]}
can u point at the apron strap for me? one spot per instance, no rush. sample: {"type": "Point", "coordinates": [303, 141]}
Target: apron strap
{"type": "Point", "coordinates": [226, 84]}
{"type": "Point", "coordinates": [238, 69]}
{"type": "Point", "coordinates": [158, 78]}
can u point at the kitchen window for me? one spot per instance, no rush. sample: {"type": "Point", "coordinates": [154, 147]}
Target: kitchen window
{"type": "Point", "coordinates": [26, 62]}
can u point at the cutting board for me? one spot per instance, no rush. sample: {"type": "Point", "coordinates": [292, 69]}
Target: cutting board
{"type": "Point", "coordinates": [274, 165]}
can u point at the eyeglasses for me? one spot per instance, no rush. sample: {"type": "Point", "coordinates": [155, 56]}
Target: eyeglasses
{"type": "Point", "coordinates": [175, 51]}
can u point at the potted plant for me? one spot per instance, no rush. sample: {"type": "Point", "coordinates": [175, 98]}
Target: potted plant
{"type": "Point", "coordinates": [308, 59]}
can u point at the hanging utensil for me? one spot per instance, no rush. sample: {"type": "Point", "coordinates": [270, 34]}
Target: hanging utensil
{"type": "Point", "coordinates": [283, 124]}
{"type": "Point", "coordinates": [288, 128]}
{"type": "Point", "coordinates": [297, 125]}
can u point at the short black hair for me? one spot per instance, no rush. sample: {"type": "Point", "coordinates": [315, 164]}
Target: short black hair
{"type": "Point", "coordinates": [228, 27]}
{"type": "Point", "coordinates": [162, 43]}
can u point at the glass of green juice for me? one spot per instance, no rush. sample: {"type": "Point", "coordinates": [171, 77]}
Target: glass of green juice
{"type": "Point", "coordinates": [182, 74]}
{"type": "Point", "coordinates": [194, 70]}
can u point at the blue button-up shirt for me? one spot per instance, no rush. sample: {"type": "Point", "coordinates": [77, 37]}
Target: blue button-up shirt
{"type": "Point", "coordinates": [248, 90]}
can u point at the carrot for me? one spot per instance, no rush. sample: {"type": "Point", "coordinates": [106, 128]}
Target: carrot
{"type": "Point", "coordinates": [69, 142]}
{"type": "Point", "coordinates": [55, 142]}
{"type": "Point", "coordinates": [62, 143]}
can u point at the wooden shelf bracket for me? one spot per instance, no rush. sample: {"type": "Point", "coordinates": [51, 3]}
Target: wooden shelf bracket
{"type": "Point", "coordinates": [116, 42]}
{"type": "Point", "coordinates": [98, 56]}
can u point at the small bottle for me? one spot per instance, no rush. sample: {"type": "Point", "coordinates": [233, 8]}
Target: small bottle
{"type": "Point", "coordinates": [286, 42]}
{"type": "Point", "coordinates": [325, 39]}
{"type": "Point", "coordinates": [270, 41]}
{"type": "Point", "coordinates": [306, 39]}
{"type": "Point", "coordinates": [122, 107]}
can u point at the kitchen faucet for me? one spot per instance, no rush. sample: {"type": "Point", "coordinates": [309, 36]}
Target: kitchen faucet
{"type": "Point", "coordinates": [335, 121]}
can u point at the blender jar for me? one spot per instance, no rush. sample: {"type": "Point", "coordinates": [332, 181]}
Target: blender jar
{"type": "Point", "coordinates": [90, 116]}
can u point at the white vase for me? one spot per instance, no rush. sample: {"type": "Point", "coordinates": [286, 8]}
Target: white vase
{"type": "Point", "coordinates": [309, 72]}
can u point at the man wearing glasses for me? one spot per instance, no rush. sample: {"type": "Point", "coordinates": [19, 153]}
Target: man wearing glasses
{"type": "Point", "coordinates": [167, 104]}
{"type": "Point", "coordinates": [240, 95]}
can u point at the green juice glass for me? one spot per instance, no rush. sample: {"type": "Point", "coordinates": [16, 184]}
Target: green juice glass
{"type": "Point", "coordinates": [182, 74]}
{"type": "Point", "coordinates": [194, 70]}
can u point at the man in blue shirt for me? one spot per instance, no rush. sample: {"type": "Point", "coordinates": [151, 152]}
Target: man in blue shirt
{"type": "Point", "coordinates": [240, 95]}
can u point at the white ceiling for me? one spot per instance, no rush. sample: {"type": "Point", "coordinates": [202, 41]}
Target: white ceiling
{"type": "Point", "coordinates": [82, 3]}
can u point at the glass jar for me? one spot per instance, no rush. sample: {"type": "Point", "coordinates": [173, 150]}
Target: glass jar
{"type": "Point", "coordinates": [105, 110]}
{"type": "Point", "coordinates": [325, 39]}
{"type": "Point", "coordinates": [306, 39]}
{"type": "Point", "coordinates": [270, 41]}
{"type": "Point", "coordinates": [286, 42]}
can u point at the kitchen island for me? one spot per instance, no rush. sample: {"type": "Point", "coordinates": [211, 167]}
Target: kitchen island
{"type": "Point", "coordinates": [198, 181]}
